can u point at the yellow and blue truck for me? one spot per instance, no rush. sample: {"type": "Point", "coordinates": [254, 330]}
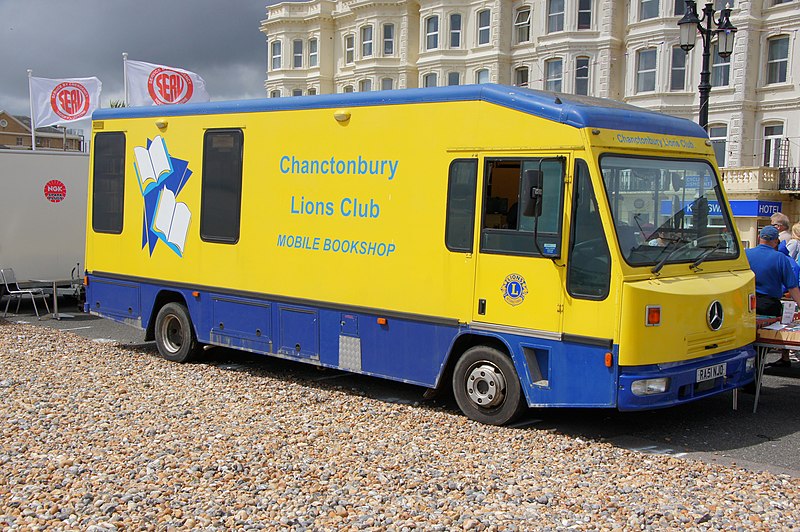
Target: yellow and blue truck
{"type": "Point", "coordinates": [524, 248]}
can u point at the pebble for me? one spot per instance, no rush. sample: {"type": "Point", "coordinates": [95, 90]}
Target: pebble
{"type": "Point", "coordinates": [96, 436]}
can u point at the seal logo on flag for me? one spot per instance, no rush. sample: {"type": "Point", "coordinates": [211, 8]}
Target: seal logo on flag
{"type": "Point", "coordinates": [167, 86]}
{"type": "Point", "coordinates": [70, 100]}
{"type": "Point", "coordinates": [514, 289]}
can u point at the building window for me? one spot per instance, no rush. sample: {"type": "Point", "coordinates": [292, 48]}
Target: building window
{"type": "Point", "coordinates": [108, 190]}
{"type": "Point", "coordinates": [555, 15]}
{"type": "Point", "coordinates": [432, 33]}
{"type": "Point", "coordinates": [453, 78]}
{"type": "Point", "coordinates": [773, 138]}
{"type": "Point", "coordinates": [679, 8]}
{"type": "Point", "coordinates": [312, 52]}
{"type": "Point", "coordinates": [582, 76]}
{"type": "Point", "coordinates": [677, 73]}
{"type": "Point", "coordinates": [482, 76]}
{"type": "Point", "coordinates": [455, 30]}
{"type": "Point", "coordinates": [19, 141]}
{"type": "Point", "coordinates": [720, 68]}
{"type": "Point", "coordinates": [429, 80]}
{"type": "Point", "coordinates": [387, 84]}
{"type": "Point", "coordinates": [553, 69]}
{"type": "Point", "coordinates": [648, 9]}
{"type": "Point", "coordinates": [484, 26]}
{"type": "Point", "coordinates": [221, 185]}
{"type": "Point", "coordinates": [366, 41]}
{"type": "Point", "coordinates": [349, 49]}
{"type": "Point", "coordinates": [646, 70]}
{"type": "Point", "coordinates": [365, 85]}
{"type": "Point", "coordinates": [388, 39]}
{"type": "Point", "coordinates": [297, 53]}
{"type": "Point", "coordinates": [522, 24]}
{"type": "Point", "coordinates": [297, 92]}
{"type": "Point", "coordinates": [275, 94]}
{"type": "Point", "coordinates": [347, 89]}
{"type": "Point", "coordinates": [584, 14]}
{"type": "Point", "coordinates": [778, 59]}
{"type": "Point", "coordinates": [719, 140]}
{"type": "Point", "coordinates": [777, 2]}
{"type": "Point", "coordinates": [720, 4]}
{"type": "Point", "coordinates": [312, 91]}
{"type": "Point", "coordinates": [521, 77]}
{"type": "Point", "coordinates": [276, 55]}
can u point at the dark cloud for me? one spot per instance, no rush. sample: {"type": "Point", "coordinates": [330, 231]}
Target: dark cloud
{"type": "Point", "coordinates": [218, 39]}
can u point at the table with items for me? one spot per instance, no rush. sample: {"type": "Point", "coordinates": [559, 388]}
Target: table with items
{"type": "Point", "coordinates": [771, 333]}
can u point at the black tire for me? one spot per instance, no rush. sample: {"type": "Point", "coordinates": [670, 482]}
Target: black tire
{"type": "Point", "coordinates": [486, 386]}
{"type": "Point", "coordinates": [175, 336]}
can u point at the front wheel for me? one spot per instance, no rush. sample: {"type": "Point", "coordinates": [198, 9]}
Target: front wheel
{"type": "Point", "coordinates": [486, 386]}
{"type": "Point", "coordinates": [175, 336]}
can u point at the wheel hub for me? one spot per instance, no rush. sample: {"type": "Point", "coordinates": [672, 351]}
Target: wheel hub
{"type": "Point", "coordinates": [486, 385]}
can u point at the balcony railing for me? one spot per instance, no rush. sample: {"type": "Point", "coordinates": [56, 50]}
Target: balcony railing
{"type": "Point", "coordinates": [751, 179]}
{"type": "Point", "coordinates": [790, 179]}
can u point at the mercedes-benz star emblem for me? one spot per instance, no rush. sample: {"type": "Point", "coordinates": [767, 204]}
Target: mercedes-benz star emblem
{"type": "Point", "coordinates": [715, 316]}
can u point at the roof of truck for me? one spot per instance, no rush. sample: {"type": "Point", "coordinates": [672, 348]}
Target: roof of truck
{"type": "Point", "coordinates": [570, 109]}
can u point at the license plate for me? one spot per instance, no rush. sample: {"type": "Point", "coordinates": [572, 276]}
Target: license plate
{"type": "Point", "coordinates": [711, 372]}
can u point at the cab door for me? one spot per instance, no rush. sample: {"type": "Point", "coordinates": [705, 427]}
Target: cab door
{"type": "Point", "coordinates": [519, 277]}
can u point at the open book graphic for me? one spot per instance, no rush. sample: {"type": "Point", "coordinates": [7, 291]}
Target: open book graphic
{"type": "Point", "coordinates": [152, 164]}
{"type": "Point", "coordinates": [171, 221]}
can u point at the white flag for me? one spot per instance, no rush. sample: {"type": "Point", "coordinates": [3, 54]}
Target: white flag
{"type": "Point", "coordinates": [150, 84]}
{"type": "Point", "coordinates": [60, 101]}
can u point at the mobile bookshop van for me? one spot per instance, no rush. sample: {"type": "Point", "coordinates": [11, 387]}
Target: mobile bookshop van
{"type": "Point", "coordinates": [523, 248]}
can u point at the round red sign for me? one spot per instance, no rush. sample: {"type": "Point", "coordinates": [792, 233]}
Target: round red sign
{"type": "Point", "coordinates": [169, 86]}
{"type": "Point", "coordinates": [55, 191]}
{"type": "Point", "coordinates": [70, 100]}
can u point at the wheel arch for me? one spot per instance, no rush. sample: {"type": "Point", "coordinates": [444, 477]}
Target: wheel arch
{"type": "Point", "coordinates": [164, 297]}
{"type": "Point", "coordinates": [460, 345]}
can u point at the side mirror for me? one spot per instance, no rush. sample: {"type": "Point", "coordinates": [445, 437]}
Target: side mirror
{"type": "Point", "coordinates": [532, 191]}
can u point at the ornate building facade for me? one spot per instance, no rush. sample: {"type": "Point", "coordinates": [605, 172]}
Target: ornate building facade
{"type": "Point", "coordinates": [626, 51]}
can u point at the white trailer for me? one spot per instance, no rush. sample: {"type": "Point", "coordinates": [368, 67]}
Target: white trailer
{"type": "Point", "coordinates": [43, 214]}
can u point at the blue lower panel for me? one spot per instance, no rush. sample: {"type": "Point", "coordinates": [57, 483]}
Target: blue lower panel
{"type": "Point", "coordinates": [683, 385]}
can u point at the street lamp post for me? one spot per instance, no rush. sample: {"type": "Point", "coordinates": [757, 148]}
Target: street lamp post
{"type": "Point", "coordinates": [725, 31]}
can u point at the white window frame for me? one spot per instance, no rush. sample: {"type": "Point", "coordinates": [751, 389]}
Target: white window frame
{"type": "Point", "coordinates": [275, 55]}
{"type": "Point", "coordinates": [347, 89]}
{"type": "Point", "coordinates": [587, 77]}
{"type": "Point", "coordinates": [677, 51]}
{"type": "Point", "coordinates": [349, 49]}
{"type": "Point", "coordinates": [646, 9]}
{"type": "Point", "coordinates": [455, 29]}
{"type": "Point", "coordinates": [772, 144]}
{"type": "Point", "coordinates": [719, 141]}
{"type": "Point", "coordinates": [297, 92]}
{"type": "Point", "coordinates": [777, 63]}
{"type": "Point", "coordinates": [649, 72]}
{"type": "Point", "coordinates": [388, 40]}
{"type": "Point", "coordinates": [720, 67]}
{"type": "Point", "coordinates": [482, 76]}
{"type": "Point", "coordinates": [384, 84]}
{"type": "Point", "coordinates": [584, 10]}
{"type": "Point", "coordinates": [365, 85]}
{"type": "Point", "coordinates": [275, 93]}
{"type": "Point", "coordinates": [366, 40]}
{"type": "Point", "coordinates": [522, 24]}
{"type": "Point", "coordinates": [555, 19]}
{"type": "Point", "coordinates": [519, 73]}
{"type": "Point", "coordinates": [484, 27]}
{"type": "Point", "coordinates": [451, 76]}
{"type": "Point", "coordinates": [431, 79]}
{"type": "Point", "coordinates": [313, 52]}
{"type": "Point", "coordinates": [554, 78]}
{"type": "Point", "coordinates": [297, 56]}
{"type": "Point", "coordinates": [432, 34]}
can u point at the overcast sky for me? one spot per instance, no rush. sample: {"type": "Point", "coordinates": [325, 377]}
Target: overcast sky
{"type": "Point", "coordinates": [217, 39]}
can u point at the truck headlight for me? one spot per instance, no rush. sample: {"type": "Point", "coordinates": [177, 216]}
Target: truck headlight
{"type": "Point", "coordinates": [650, 386]}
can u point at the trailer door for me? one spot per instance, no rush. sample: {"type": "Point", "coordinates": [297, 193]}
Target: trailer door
{"type": "Point", "coordinates": [519, 281]}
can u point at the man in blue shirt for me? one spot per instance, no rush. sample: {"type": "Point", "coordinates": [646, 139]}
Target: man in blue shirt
{"type": "Point", "coordinates": [773, 274]}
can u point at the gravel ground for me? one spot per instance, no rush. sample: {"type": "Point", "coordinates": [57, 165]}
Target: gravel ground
{"type": "Point", "coordinates": [99, 437]}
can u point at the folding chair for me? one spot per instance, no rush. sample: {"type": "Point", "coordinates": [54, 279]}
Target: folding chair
{"type": "Point", "coordinates": [13, 291]}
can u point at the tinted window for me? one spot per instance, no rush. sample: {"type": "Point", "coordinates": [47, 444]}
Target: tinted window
{"type": "Point", "coordinates": [461, 204]}
{"type": "Point", "coordinates": [108, 188]}
{"type": "Point", "coordinates": [220, 204]}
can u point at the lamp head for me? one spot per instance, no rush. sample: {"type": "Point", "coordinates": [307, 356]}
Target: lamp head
{"type": "Point", "coordinates": [688, 26]}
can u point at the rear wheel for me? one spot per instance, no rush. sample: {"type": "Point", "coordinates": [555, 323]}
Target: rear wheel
{"type": "Point", "coordinates": [486, 386]}
{"type": "Point", "coordinates": [175, 337]}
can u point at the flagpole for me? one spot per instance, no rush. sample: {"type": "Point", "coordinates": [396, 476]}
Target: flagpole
{"type": "Point", "coordinates": [125, 75]}
{"type": "Point", "coordinates": [33, 119]}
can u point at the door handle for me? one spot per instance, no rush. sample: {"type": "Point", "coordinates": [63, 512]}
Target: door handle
{"type": "Point", "coordinates": [481, 306]}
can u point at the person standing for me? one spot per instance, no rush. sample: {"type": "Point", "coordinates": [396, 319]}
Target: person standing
{"type": "Point", "coordinates": [774, 274]}
{"type": "Point", "coordinates": [793, 244]}
{"type": "Point", "coordinates": [781, 222]}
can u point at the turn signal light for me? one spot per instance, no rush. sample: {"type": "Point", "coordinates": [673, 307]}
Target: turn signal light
{"type": "Point", "coordinates": [609, 359]}
{"type": "Point", "coordinates": [382, 321]}
{"type": "Point", "coordinates": [752, 302]}
{"type": "Point", "coordinates": [85, 280]}
{"type": "Point", "coordinates": [653, 315]}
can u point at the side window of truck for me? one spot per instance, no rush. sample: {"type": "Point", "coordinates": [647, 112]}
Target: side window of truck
{"type": "Point", "coordinates": [461, 190]}
{"type": "Point", "coordinates": [221, 195]}
{"type": "Point", "coordinates": [522, 206]}
{"type": "Point", "coordinates": [108, 188]}
{"type": "Point", "coordinates": [589, 262]}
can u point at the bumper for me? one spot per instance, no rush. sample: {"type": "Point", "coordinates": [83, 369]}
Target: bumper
{"type": "Point", "coordinates": [683, 386]}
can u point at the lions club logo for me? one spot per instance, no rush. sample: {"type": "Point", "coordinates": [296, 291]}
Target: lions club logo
{"type": "Point", "coordinates": [70, 100]}
{"type": "Point", "coordinates": [514, 289]}
{"type": "Point", "coordinates": [167, 86]}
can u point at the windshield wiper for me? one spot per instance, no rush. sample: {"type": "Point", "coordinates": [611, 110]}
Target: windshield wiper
{"type": "Point", "coordinates": [704, 255]}
{"type": "Point", "coordinates": [660, 264]}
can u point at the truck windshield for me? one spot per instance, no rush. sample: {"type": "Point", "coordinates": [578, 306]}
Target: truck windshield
{"type": "Point", "coordinates": [667, 211]}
